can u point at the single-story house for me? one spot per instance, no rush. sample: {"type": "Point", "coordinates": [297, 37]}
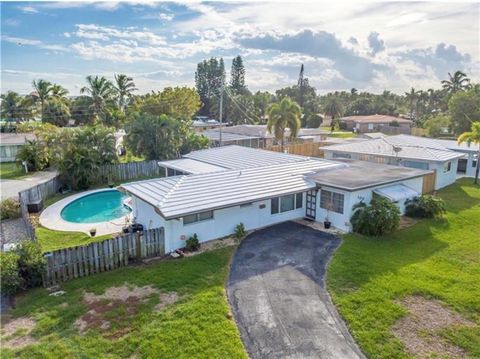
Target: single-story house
{"type": "Point", "coordinates": [376, 123]}
{"type": "Point", "coordinates": [233, 184]}
{"type": "Point", "coordinates": [406, 151]}
{"type": "Point", "coordinates": [10, 143]}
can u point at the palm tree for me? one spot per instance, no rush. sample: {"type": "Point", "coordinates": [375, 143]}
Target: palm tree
{"type": "Point", "coordinates": [458, 82]}
{"type": "Point", "coordinates": [412, 98]}
{"type": "Point", "coordinates": [43, 90]}
{"type": "Point", "coordinates": [58, 91]}
{"type": "Point", "coordinates": [11, 105]}
{"type": "Point", "coordinates": [473, 136]}
{"type": "Point", "coordinates": [282, 115]}
{"type": "Point", "coordinates": [100, 91]}
{"type": "Point", "coordinates": [124, 87]}
{"type": "Point", "coordinates": [334, 109]}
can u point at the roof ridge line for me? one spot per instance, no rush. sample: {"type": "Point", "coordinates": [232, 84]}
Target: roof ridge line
{"type": "Point", "coordinates": [171, 190]}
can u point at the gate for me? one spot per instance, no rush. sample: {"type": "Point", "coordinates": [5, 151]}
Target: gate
{"type": "Point", "coordinates": [311, 204]}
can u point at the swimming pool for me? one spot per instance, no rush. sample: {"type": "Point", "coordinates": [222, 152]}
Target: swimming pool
{"type": "Point", "coordinates": [96, 207]}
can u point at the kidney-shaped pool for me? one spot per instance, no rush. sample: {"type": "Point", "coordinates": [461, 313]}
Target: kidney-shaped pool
{"type": "Point", "coordinates": [96, 207]}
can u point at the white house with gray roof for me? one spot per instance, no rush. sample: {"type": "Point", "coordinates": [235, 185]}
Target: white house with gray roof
{"type": "Point", "coordinates": [407, 151]}
{"type": "Point", "coordinates": [231, 185]}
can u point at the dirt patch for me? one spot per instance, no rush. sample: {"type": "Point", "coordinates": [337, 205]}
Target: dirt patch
{"type": "Point", "coordinates": [213, 244]}
{"type": "Point", "coordinates": [16, 332]}
{"type": "Point", "coordinates": [111, 313]}
{"type": "Point", "coordinates": [419, 330]}
{"type": "Point", "coordinates": [406, 222]}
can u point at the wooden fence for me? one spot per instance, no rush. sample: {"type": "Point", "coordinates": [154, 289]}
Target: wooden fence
{"type": "Point", "coordinates": [310, 149]}
{"type": "Point", "coordinates": [97, 257]}
{"type": "Point", "coordinates": [129, 171]}
{"type": "Point", "coordinates": [429, 183]}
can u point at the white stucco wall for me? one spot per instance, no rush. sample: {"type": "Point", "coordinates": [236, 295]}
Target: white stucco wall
{"type": "Point", "coordinates": [444, 179]}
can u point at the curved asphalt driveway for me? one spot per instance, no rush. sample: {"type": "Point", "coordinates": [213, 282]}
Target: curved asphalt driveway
{"type": "Point", "coordinates": [277, 292]}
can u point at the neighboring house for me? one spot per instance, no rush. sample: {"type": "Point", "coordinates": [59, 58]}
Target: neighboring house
{"type": "Point", "coordinates": [407, 151]}
{"type": "Point", "coordinates": [10, 143]}
{"type": "Point", "coordinates": [203, 123]}
{"type": "Point", "coordinates": [376, 123]}
{"type": "Point", "coordinates": [213, 190]}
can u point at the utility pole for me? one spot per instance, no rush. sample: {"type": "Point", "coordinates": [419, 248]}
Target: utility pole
{"type": "Point", "coordinates": [221, 111]}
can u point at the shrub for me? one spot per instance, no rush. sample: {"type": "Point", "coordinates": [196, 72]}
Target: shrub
{"type": "Point", "coordinates": [9, 208]}
{"type": "Point", "coordinates": [379, 217]}
{"type": "Point", "coordinates": [35, 154]}
{"type": "Point", "coordinates": [192, 243]}
{"type": "Point", "coordinates": [31, 263]}
{"type": "Point", "coordinates": [11, 282]}
{"type": "Point", "coordinates": [425, 206]}
{"type": "Point", "coordinates": [240, 231]}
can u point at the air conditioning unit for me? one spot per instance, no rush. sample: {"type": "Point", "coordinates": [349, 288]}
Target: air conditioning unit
{"type": "Point", "coordinates": [35, 206]}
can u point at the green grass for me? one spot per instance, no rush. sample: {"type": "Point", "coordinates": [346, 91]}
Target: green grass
{"type": "Point", "coordinates": [434, 258]}
{"type": "Point", "coordinates": [196, 326]}
{"type": "Point", "coordinates": [10, 170]}
{"type": "Point", "coordinates": [53, 240]}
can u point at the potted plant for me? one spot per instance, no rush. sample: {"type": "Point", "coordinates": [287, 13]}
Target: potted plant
{"type": "Point", "coordinates": [326, 222]}
{"type": "Point", "coordinates": [93, 232]}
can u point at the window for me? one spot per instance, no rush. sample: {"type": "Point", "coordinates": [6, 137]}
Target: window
{"type": "Point", "coordinates": [341, 155]}
{"type": "Point", "coordinates": [286, 203]}
{"type": "Point", "coordinates": [197, 217]}
{"type": "Point", "coordinates": [299, 200]}
{"type": "Point", "coordinates": [332, 201]}
{"type": "Point", "coordinates": [447, 167]}
{"type": "Point", "coordinates": [170, 172]}
{"type": "Point", "coordinates": [274, 205]}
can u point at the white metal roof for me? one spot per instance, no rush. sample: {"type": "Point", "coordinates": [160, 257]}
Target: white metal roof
{"type": "Point", "coordinates": [226, 136]}
{"type": "Point", "coordinates": [190, 166]}
{"type": "Point", "coordinates": [454, 146]}
{"type": "Point", "coordinates": [237, 157]}
{"type": "Point", "coordinates": [182, 195]}
{"type": "Point", "coordinates": [411, 147]}
{"type": "Point", "coordinates": [396, 192]}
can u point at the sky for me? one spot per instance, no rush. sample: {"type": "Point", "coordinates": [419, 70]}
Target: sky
{"type": "Point", "coordinates": [372, 46]}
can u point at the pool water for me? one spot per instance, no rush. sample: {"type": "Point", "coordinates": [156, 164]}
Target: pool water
{"type": "Point", "coordinates": [96, 207]}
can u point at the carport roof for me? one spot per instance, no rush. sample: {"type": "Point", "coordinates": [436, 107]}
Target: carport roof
{"type": "Point", "coordinates": [362, 174]}
{"type": "Point", "coordinates": [188, 165]}
{"type": "Point", "coordinates": [396, 192]}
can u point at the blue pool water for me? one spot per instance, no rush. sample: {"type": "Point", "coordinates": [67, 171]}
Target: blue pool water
{"type": "Point", "coordinates": [96, 207]}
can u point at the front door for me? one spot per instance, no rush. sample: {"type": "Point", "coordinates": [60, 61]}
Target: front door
{"type": "Point", "coordinates": [311, 204]}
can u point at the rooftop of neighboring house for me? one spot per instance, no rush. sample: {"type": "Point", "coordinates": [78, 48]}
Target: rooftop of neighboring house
{"type": "Point", "coordinates": [9, 139]}
{"type": "Point", "coordinates": [247, 130]}
{"type": "Point", "coordinates": [214, 135]}
{"type": "Point", "coordinates": [375, 119]}
{"type": "Point", "coordinates": [402, 146]}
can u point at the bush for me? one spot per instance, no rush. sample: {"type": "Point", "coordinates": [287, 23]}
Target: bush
{"type": "Point", "coordinates": [240, 231]}
{"type": "Point", "coordinates": [425, 206]}
{"type": "Point", "coordinates": [31, 263]}
{"type": "Point", "coordinates": [35, 154]}
{"type": "Point", "coordinates": [192, 243]}
{"type": "Point", "coordinates": [379, 217]}
{"type": "Point", "coordinates": [9, 208]}
{"type": "Point", "coordinates": [11, 282]}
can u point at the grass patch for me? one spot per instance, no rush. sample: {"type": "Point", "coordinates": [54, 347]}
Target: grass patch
{"type": "Point", "coordinates": [53, 240]}
{"type": "Point", "coordinates": [10, 170]}
{"type": "Point", "coordinates": [435, 259]}
{"type": "Point", "coordinates": [198, 325]}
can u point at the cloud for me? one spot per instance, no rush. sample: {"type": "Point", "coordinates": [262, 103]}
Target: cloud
{"type": "Point", "coordinates": [319, 44]}
{"type": "Point", "coordinates": [32, 42]}
{"type": "Point", "coordinates": [376, 44]}
{"type": "Point", "coordinates": [353, 40]}
{"type": "Point", "coordinates": [158, 16]}
{"type": "Point", "coordinates": [28, 9]}
{"type": "Point", "coordinates": [11, 22]}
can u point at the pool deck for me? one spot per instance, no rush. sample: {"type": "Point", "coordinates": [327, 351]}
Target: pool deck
{"type": "Point", "coordinates": [50, 218]}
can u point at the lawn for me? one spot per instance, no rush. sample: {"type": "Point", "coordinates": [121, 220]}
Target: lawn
{"type": "Point", "coordinates": [434, 259]}
{"type": "Point", "coordinates": [197, 324]}
{"type": "Point", "coordinates": [10, 170]}
{"type": "Point", "coordinates": [53, 240]}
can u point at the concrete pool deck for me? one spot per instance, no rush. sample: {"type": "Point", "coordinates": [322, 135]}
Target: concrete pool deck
{"type": "Point", "coordinates": [51, 217]}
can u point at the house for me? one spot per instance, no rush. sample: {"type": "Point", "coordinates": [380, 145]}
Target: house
{"type": "Point", "coordinates": [376, 123]}
{"type": "Point", "coordinates": [10, 143]}
{"type": "Point", "coordinates": [407, 151]}
{"type": "Point", "coordinates": [215, 189]}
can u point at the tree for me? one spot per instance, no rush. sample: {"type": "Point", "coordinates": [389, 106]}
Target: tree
{"type": "Point", "coordinates": [412, 98]}
{"type": "Point", "coordinates": [59, 92]}
{"type": "Point", "coordinates": [35, 153]}
{"type": "Point", "coordinates": [282, 115]}
{"type": "Point", "coordinates": [458, 82]}
{"type": "Point", "coordinates": [334, 109]}
{"type": "Point", "coordinates": [43, 90]}
{"type": "Point", "coordinates": [16, 107]}
{"type": "Point", "coordinates": [464, 108]}
{"type": "Point", "coordinates": [56, 112]}
{"type": "Point", "coordinates": [100, 91]}
{"type": "Point", "coordinates": [438, 125]}
{"type": "Point", "coordinates": [209, 77]}
{"type": "Point", "coordinates": [124, 88]}
{"type": "Point", "coordinates": [237, 77]}
{"type": "Point", "coordinates": [261, 101]}
{"type": "Point", "coordinates": [81, 110]}
{"type": "Point", "coordinates": [473, 136]}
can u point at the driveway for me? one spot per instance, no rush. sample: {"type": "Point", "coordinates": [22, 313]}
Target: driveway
{"type": "Point", "coordinates": [9, 188]}
{"type": "Point", "coordinates": [276, 289]}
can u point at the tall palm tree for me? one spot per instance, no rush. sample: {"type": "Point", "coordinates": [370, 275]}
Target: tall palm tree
{"type": "Point", "coordinates": [282, 115]}
{"type": "Point", "coordinates": [458, 82]}
{"type": "Point", "coordinates": [412, 98]}
{"type": "Point", "coordinates": [11, 105]}
{"type": "Point", "coordinates": [58, 91]}
{"type": "Point", "coordinates": [124, 87]}
{"type": "Point", "coordinates": [334, 109]}
{"type": "Point", "coordinates": [473, 136]}
{"type": "Point", "coordinates": [100, 90]}
{"type": "Point", "coordinates": [43, 90]}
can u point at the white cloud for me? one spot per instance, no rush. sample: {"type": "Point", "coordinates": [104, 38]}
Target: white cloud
{"type": "Point", "coordinates": [28, 9]}
{"type": "Point", "coordinates": [31, 42]}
